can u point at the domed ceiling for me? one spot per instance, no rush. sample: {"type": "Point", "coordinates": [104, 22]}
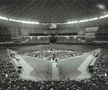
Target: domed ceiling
{"type": "Point", "coordinates": [53, 11]}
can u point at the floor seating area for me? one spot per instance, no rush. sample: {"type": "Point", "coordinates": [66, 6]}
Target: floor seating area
{"type": "Point", "coordinates": [9, 79]}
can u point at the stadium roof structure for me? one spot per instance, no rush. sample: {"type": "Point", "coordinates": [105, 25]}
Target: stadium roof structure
{"type": "Point", "coordinates": [53, 11]}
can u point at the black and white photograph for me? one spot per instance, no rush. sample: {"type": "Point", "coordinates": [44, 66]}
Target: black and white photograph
{"type": "Point", "coordinates": [53, 44]}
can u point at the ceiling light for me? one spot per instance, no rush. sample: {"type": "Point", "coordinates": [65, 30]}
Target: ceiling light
{"type": "Point", "coordinates": [14, 20]}
{"type": "Point", "coordinates": [22, 21]}
{"type": "Point", "coordinates": [101, 6]}
{"type": "Point", "coordinates": [71, 22]}
{"type": "Point", "coordinates": [29, 22]}
{"type": "Point", "coordinates": [86, 20]}
{"type": "Point", "coordinates": [104, 16]}
{"type": "Point", "coordinates": [3, 18]}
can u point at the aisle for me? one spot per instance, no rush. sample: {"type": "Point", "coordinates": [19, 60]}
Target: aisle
{"type": "Point", "coordinates": [26, 69]}
{"type": "Point", "coordinates": [83, 68]}
{"type": "Point", "coordinates": [55, 72]}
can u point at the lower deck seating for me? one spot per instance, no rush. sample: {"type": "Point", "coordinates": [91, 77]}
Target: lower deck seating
{"type": "Point", "coordinates": [9, 79]}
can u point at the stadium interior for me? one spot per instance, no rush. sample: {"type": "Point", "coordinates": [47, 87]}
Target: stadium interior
{"type": "Point", "coordinates": [53, 45]}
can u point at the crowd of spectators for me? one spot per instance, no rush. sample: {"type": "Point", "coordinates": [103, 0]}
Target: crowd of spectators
{"type": "Point", "coordinates": [9, 79]}
{"type": "Point", "coordinates": [32, 39]}
{"type": "Point", "coordinates": [46, 39]}
{"type": "Point", "coordinates": [69, 39]}
{"type": "Point", "coordinates": [53, 54]}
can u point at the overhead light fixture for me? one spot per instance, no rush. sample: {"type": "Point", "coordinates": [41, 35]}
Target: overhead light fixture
{"type": "Point", "coordinates": [22, 21]}
{"type": "Point", "coordinates": [3, 18]}
{"type": "Point", "coordinates": [14, 20]}
{"type": "Point", "coordinates": [29, 22]}
{"type": "Point", "coordinates": [81, 21]}
{"type": "Point", "coordinates": [71, 22]}
{"type": "Point", "coordinates": [101, 6]}
{"type": "Point", "coordinates": [104, 16]}
{"type": "Point", "coordinates": [87, 20]}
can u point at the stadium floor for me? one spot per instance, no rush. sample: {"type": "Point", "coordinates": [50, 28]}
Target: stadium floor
{"type": "Point", "coordinates": [73, 68]}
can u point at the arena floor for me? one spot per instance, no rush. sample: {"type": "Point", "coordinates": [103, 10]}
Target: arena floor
{"type": "Point", "coordinates": [73, 68]}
